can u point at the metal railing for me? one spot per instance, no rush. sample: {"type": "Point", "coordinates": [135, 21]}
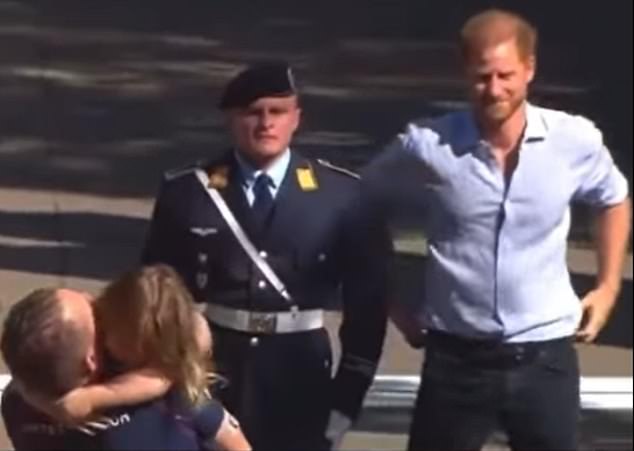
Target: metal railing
{"type": "Point", "coordinates": [597, 393]}
{"type": "Point", "coordinates": [397, 392]}
{"type": "Point", "coordinates": [606, 404]}
{"type": "Point", "coordinates": [605, 421]}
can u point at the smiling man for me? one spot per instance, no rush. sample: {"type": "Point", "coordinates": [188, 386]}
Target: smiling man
{"type": "Point", "coordinates": [266, 239]}
{"type": "Point", "coordinates": [495, 185]}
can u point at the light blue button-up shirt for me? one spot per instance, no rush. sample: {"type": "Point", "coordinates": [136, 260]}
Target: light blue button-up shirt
{"type": "Point", "coordinates": [277, 171]}
{"type": "Point", "coordinates": [497, 251]}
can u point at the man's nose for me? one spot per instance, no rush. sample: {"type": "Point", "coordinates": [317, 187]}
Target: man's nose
{"type": "Point", "coordinates": [494, 87]}
{"type": "Point", "coordinates": [266, 120]}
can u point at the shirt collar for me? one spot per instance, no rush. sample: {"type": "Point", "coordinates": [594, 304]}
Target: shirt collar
{"type": "Point", "coordinates": [469, 136]}
{"type": "Point", "coordinates": [535, 125]}
{"type": "Point", "coordinates": [277, 170]}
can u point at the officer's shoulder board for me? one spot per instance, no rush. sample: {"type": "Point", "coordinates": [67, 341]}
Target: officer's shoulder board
{"type": "Point", "coordinates": [173, 174]}
{"type": "Point", "coordinates": [338, 169]}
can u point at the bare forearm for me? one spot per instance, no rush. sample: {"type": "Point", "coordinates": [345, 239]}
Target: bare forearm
{"type": "Point", "coordinates": [229, 437]}
{"type": "Point", "coordinates": [129, 388]}
{"type": "Point", "coordinates": [613, 233]}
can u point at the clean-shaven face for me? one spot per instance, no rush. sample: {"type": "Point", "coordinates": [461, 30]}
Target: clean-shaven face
{"type": "Point", "coordinates": [264, 129]}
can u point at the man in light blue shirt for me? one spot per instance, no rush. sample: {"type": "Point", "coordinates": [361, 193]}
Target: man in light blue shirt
{"type": "Point", "coordinates": [494, 184]}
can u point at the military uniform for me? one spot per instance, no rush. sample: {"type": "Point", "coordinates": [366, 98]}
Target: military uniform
{"type": "Point", "coordinates": [323, 247]}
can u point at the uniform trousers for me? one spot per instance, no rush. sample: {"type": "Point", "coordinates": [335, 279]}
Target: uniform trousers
{"type": "Point", "coordinates": [278, 386]}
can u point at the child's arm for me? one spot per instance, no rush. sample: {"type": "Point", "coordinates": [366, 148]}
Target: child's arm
{"type": "Point", "coordinates": [217, 429]}
{"type": "Point", "coordinates": [129, 388]}
{"type": "Point", "coordinates": [230, 437]}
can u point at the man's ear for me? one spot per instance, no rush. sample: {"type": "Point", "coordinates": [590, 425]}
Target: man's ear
{"type": "Point", "coordinates": [91, 361]}
{"type": "Point", "coordinates": [531, 64]}
{"type": "Point", "coordinates": [298, 119]}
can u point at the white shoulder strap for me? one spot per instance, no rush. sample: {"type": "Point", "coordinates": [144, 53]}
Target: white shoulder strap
{"type": "Point", "coordinates": [242, 237]}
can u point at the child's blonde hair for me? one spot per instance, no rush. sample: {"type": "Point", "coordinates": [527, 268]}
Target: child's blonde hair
{"type": "Point", "coordinates": [153, 308]}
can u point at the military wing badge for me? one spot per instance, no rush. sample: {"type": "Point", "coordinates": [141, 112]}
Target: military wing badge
{"type": "Point", "coordinates": [203, 231]}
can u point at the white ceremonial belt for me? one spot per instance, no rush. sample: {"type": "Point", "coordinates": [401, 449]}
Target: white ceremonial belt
{"type": "Point", "coordinates": [265, 322]}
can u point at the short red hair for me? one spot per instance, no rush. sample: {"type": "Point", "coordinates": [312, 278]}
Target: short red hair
{"type": "Point", "coordinates": [494, 26]}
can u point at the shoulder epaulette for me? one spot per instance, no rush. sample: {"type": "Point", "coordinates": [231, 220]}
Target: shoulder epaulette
{"type": "Point", "coordinates": [181, 170]}
{"type": "Point", "coordinates": [339, 169]}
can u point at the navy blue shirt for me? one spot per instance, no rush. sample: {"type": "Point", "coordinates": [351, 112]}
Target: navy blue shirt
{"type": "Point", "coordinates": [157, 424]}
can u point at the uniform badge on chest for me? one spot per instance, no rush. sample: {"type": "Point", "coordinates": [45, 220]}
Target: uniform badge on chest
{"type": "Point", "coordinates": [203, 231]}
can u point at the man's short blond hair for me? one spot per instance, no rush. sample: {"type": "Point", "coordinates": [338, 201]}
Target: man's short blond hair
{"type": "Point", "coordinates": [44, 350]}
{"type": "Point", "coordinates": [494, 26]}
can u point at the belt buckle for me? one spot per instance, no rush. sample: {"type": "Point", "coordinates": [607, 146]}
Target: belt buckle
{"type": "Point", "coordinates": [264, 323]}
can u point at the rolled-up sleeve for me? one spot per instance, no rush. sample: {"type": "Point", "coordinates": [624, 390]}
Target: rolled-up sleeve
{"type": "Point", "coordinates": [602, 184]}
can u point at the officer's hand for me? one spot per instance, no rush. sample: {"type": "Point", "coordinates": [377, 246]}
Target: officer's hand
{"type": "Point", "coordinates": [406, 322]}
{"type": "Point", "coordinates": [417, 339]}
{"type": "Point", "coordinates": [338, 425]}
{"type": "Point", "coordinates": [597, 306]}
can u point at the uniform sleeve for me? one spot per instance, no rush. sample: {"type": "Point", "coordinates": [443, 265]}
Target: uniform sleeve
{"type": "Point", "coordinates": [158, 247]}
{"type": "Point", "coordinates": [366, 250]}
{"type": "Point", "coordinates": [601, 183]}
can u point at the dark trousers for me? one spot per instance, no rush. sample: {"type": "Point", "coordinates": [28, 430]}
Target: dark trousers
{"type": "Point", "coordinates": [278, 386]}
{"type": "Point", "coordinates": [470, 388]}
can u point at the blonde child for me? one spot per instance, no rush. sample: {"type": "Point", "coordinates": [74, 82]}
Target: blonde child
{"type": "Point", "coordinates": [158, 343]}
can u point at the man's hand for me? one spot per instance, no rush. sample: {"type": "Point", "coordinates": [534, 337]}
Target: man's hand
{"type": "Point", "coordinates": [613, 231]}
{"type": "Point", "coordinates": [406, 322]}
{"type": "Point", "coordinates": [338, 425]}
{"type": "Point", "coordinates": [597, 306]}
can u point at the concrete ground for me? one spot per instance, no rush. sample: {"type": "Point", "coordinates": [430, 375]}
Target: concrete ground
{"type": "Point", "coordinates": [97, 100]}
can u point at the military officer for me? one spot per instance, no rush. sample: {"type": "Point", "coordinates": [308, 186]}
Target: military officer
{"type": "Point", "coordinates": [265, 239]}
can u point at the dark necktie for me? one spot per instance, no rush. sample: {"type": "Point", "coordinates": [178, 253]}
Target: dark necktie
{"type": "Point", "coordinates": [262, 200]}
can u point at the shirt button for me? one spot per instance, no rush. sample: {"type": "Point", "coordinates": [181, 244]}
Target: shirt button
{"type": "Point", "coordinates": [321, 258]}
{"type": "Point", "coordinates": [254, 342]}
{"type": "Point", "coordinates": [261, 284]}
{"type": "Point", "coordinates": [263, 254]}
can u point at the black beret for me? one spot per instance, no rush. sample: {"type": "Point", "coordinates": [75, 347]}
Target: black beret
{"type": "Point", "coordinates": [273, 79]}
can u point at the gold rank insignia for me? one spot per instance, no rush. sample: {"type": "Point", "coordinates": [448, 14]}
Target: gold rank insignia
{"type": "Point", "coordinates": [218, 177]}
{"type": "Point", "coordinates": [306, 179]}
